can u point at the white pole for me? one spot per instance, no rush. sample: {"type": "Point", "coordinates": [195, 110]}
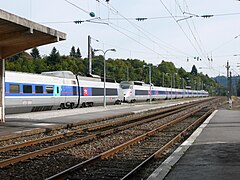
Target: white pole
{"type": "Point", "coordinates": [104, 79]}
{"type": "Point", "coordinates": [150, 81]}
{"type": "Point", "coordinates": [2, 90]}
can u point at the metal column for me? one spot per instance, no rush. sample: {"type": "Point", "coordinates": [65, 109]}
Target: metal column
{"type": "Point", "coordinates": [2, 90]}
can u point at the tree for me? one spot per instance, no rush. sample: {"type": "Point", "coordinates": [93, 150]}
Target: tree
{"type": "Point", "coordinates": [182, 73]}
{"type": "Point", "coordinates": [54, 57]}
{"type": "Point", "coordinates": [40, 65]}
{"type": "Point", "coordinates": [15, 57]}
{"type": "Point", "coordinates": [73, 52]}
{"type": "Point", "coordinates": [78, 53]}
{"type": "Point", "coordinates": [167, 67]}
{"type": "Point", "coordinates": [194, 71]}
{"type": "Point", "coordinates": [35, 53]}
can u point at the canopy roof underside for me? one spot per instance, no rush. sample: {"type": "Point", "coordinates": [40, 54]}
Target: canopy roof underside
{"type": "Point", "coordinates": [18, 34]}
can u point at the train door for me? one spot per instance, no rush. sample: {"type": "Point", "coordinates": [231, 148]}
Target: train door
{"type": "Point", "coordinates": [56, 94]}
{"type": "Point", "coordinates": [57, 90]}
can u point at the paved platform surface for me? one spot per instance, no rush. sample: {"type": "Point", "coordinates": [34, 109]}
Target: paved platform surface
{"type": "Point", "coordinates": [25, 123]}
{"type": "Point", "coordinates": [211, 153]}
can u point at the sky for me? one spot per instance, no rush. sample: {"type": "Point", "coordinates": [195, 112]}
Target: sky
{"type": "Point", "coordinates": [181, 31]}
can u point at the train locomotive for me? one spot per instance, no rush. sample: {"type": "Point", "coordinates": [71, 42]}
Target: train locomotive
{"type": "Point", "coordinates": [27, 92]}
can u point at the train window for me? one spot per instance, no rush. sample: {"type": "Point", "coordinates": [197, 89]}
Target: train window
{"type": "Point", "coordinates": [97, 92]}
{"type": "Point", "coordinates": [14, 88]}
{"type": "Point", "coordinates": [74, 90]}
{"type": "Point", "coordinates": [49, 89]}
{"type": "Point", "coordinates": [141, 92]}
{"type": "Point", "coordinates": [125, 86]}
{"type": "Point", "coordinates": [38, 89]}
{"type": "Point", "coordinates": [161, 92]}
{"type": "Point", "coordinates": [112, 92]}
{"type": "Point", "coordinates": [27, 89]}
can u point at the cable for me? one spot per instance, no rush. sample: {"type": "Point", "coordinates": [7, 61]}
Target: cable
{"type": "Point", "coordinates": [223, 44]}
{"type": "Point", "coordinates": [136, 26]}
{"type": "Point", "coordinates": [134, 40]}
{"type": "Point", "coordinates": [179, 26]}
{"type": "Point", "coordinates": [203, 51]}
{"type": "Point", "coordinates": [182, 29]}
{"type": "Point", "coordinates": [92, 14]}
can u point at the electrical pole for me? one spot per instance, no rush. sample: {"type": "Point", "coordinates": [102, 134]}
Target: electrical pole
{"type": "Point", "coordinates": [163, 79]}
{"type": "Point", "coordinates": [150, 82]}
{"type": "Point", "coordinates": [89, 54]}
{"type": "Point", "coordinates": [228, 83]}
{"type": "Point", "coordinates": [127, 73]}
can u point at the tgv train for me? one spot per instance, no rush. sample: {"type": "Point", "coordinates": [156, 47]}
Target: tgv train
{"type": "Point", "coordinates": [139, 91]}
{"type": "Point", "coordinates": [26, 92]}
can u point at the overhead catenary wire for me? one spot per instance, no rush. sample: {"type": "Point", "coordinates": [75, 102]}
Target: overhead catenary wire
{"type": "Point", "coordinates": [199, 44]}
{"type": "Point", "coordinates": [77, 7]}
{"type": "Point", "coordinates": [136, 26]}
{"type": "Point", "coordinates": [90, 21]}
{"type": "Point", "coordinates": [182, 30]}
{"type": "Point", "coordinates": [107, 23]}
{"type": "Point", "coordinates": [180, 27]}
{"type": "Point", "coordinates": [141, 36]}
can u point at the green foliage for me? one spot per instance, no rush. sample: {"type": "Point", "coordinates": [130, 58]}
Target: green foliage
{"type": "Point", "coordinates": [194, 71]}
{"type": "Point", "coordinates": [53, 58]}
{"type": "Point", "coordinates": [78, 53]}
{"type": "Point", "coordinates": [35, 53]}
{"type": "Point", "coordinates": [167, 67]}
{"type": "Point", "coordinates": [73, 52]}
{"type": "Point", "coordinates": [118, 69]}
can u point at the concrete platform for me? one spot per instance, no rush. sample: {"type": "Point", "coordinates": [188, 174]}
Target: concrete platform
{"type": "Point", "coordinates": [212, 152]}
{"type": "Point", "coordinates": [40, 121]}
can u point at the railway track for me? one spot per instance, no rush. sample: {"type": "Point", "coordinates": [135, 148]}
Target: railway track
{"type": "Point", "coordinates": [20, 152]}
{"type": "Point", "coordinates": [124, 161]}
{"type": "Point", "coordinates": [87, 134]}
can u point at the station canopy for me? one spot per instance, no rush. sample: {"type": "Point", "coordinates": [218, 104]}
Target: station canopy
{"type": "Point", "coordinates": [18, 34]}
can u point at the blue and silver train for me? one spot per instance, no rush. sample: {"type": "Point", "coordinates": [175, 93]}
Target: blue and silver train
{"type": "Point", "coordinates": [27, 92]}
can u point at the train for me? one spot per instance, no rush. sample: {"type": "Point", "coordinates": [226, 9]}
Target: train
{"type": "Point", "coordinates": [28, 92]}
{"type": "Point", "coordinates": [139, 91]}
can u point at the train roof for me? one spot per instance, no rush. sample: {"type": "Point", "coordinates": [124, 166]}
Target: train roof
{"type": "Point", "coordinates": [61, 74]}
{"type": "Point", "coordinates": [90, 77]}
{"type": "Point", "coordinates": [139, 83]}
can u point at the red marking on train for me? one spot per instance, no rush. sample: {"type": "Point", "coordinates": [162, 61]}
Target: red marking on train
{"type": "Point", "coordinates": [85, 91]}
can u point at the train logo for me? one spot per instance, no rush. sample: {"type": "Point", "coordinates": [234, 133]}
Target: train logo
{"type": "Point", "coordinates": [85, 91]}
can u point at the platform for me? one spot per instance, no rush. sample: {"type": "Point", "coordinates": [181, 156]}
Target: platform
{"type": "Point", "coordinates": [212, 152]}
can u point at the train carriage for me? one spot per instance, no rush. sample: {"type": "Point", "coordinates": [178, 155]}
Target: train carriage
{"type": "Point", "coordinates": [93, 92]}
{"type": "Point", "coordinates": [135, 91]}
{"type": "Point", "coordinates": [25, 92]}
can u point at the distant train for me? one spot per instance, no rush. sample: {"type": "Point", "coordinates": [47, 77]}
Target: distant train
{"type": "Point", "coordinates": [26, 92]}
{"type": "Point", "coordinates": [139, 91]}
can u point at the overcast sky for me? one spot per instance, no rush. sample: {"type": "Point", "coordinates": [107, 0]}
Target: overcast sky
{"type": "Point", "coordinates": [175, 30]}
